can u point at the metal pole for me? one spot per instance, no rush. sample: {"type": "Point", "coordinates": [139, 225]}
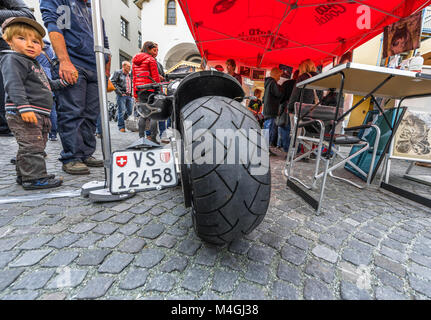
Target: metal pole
{"type": "Point", "coordinates": [99, 50]}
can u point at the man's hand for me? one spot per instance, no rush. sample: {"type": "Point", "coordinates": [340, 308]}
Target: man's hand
{"type": "Point", "coordinates": [29, 117]}
{"type": "Point", "coordinates": [68, 72]}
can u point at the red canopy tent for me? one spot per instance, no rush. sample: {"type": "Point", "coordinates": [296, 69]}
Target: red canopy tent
{"type": "Point", "coordinates": [265, 33]}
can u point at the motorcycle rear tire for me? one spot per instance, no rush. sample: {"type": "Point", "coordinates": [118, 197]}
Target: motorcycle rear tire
{"type": "Point", "coordinates": [228, 201]}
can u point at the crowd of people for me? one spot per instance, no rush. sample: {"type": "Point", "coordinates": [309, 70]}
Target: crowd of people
{"type": "Point", "coordinates": [50, 89]}
{"type": "Point", "coordinates": [276, 110]}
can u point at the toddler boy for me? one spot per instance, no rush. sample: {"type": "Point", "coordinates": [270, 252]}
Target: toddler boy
{"type": "Point", "coordinates": [28, 100]}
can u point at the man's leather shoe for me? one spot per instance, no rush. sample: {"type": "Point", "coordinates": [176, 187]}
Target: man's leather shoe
{"type": "Point", "coordinates": [75, 168]}
{"type": "Point", "coordinates": [93, 162]}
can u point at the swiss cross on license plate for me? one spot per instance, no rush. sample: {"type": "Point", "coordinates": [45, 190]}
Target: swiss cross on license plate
{"type": "Point", "coordinates": [142, 170]}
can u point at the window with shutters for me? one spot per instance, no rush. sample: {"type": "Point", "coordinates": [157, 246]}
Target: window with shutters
{"type": "Point", "coordinates": [125, 28]}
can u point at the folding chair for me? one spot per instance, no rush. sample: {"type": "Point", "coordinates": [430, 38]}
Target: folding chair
{"type": "Point", "coordinates": [312, 126]}
{"type": "Point", "coordinates": [364, 160]}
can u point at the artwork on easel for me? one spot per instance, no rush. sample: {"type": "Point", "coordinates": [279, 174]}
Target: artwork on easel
{"type": "Point", "coordinates": [413, 138]}
{"type": "Point", "coordinates": [402, 36]}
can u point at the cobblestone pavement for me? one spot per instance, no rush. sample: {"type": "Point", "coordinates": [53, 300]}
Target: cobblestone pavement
{"type": "Point", "coordinates": [366, 245]}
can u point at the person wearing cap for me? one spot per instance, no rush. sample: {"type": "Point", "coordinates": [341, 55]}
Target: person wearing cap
{"type": "Point", "coordinates": [28, 100]}
{"type": "Point", "coordinates": [9, 9]}
{"type": "Point", "coordinates": [219, 67]}
{"type": "Point", "coordinates": [69, 24]}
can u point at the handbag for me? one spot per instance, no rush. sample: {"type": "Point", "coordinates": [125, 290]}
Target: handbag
{"type": "Point", "coordinates": [110, 86]}
{"type": "Point", "coordinates": [132, 121]}
{"type": "Point", "coordinates": [316, 97]}
{"type": "Point", "coordinates": [282, 119]}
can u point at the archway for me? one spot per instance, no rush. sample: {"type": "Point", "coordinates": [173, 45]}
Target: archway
{"type": "Point", "coordinates": [182, 51]}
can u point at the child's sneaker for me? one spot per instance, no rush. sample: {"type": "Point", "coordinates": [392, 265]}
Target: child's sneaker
{"type": "Point", "coordinates": [46, 183]}
{"type": "Point", "coordinates": [19, 178]}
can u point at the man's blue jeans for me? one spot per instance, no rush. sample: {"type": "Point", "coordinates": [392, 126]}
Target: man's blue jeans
{"type": "Point", "coordinates": [77, 112]}
{"type": "Point", "coordinates": [163, 125]}
{"type": "Point", "coordinates": [99, 125]}
{"type": "Point", "coordinates": [53, 117]}
{"type": "Point", "coordinates": [125, 105]}
{"type": "Point", "coordinates": [269, 128]}
{"type": "Point", "coordinates": [284, 137]}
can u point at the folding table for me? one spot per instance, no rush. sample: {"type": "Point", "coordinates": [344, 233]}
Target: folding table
{"type": "Point", "coordinates": [369, 82]}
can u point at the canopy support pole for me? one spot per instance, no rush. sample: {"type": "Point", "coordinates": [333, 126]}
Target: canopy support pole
{"type": "Point", "coordinates": [99, 191]}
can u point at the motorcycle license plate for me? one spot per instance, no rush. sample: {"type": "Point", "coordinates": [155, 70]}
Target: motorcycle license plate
{"type": "Point", "coordinates": [142, 170]}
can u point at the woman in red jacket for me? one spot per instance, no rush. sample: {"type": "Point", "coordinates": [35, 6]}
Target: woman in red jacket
{"type": "Point", "coordinates": [144, 71]}
{"type": "Point", "coordinates": [144, 66]}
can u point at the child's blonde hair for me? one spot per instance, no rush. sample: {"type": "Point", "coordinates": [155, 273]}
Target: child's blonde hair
{"type": "Point", "coordinates": [21, 29]}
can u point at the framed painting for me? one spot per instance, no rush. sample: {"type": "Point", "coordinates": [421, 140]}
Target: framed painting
{"type": "Point", "coordinates": [412, 140]}
{"type": "Point", "coordinates": [258, 74]}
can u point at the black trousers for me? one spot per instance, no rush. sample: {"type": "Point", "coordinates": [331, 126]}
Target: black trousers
{"type": "Point", "coordinates": [142, 123]}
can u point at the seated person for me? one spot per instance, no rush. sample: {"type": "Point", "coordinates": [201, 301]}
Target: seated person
{"type": "Point", "coordinates": [255, 106]}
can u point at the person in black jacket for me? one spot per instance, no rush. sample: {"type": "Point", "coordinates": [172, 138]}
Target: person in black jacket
{"type": "Point", "coordinates": [284, 130]}
{"type": "Point", "coordinates": [271, 103]}
{"type": "Point", "coordinates": [122, 81]}
{"type": "Point", "coordinates": [307, 69]}
{"type": "Point", "coordinates": [9, 9]}
{"type": "Point", "coordinates": [28, 100]}
{"type": "Point", "coordinates": [163, 125]}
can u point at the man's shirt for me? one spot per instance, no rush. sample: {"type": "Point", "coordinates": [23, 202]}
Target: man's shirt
{"type": "Point", "coordinates": [73, 19]}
